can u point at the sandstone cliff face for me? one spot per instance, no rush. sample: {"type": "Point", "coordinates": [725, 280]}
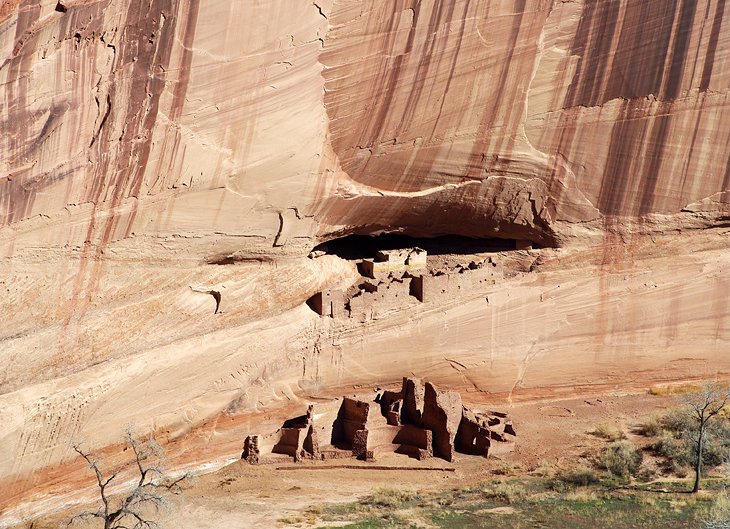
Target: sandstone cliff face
{"type": "Point", "coordinates": [141, 143]}
{"type": "Point", "coordinates": [303, 120]}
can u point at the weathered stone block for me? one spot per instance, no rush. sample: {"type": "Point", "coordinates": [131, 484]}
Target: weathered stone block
{"type": "Point", "coordinates": [413, 401]}
{"type": "Point", "coordinates": [442, 414]}
{"type": "Point", "coordinates": [360, 444]}
{"type": "Point", "coordinates": [251, 452]}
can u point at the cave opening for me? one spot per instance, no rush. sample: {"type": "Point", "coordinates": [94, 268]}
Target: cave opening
{"type": "Point", "coordinates": [356, 247]}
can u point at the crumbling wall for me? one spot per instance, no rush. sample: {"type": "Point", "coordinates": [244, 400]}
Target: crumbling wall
{"type": "Point", "coordinates": [430, 288]}
{"type": "Point", "coordinates": [419, 420]}
{"type": "Point", "coordinates": [393, 287]}
{"type": "Point", "coordinates": [391, 404]}
{"type": "Point", "coordinates": [298, 437]}
{"type": "Point", "coordinates": [474, 435]}
{"type": "Point", "coordinates": [328, 303]}
{"type": "Point", "coordinates": [413, 401]}
{"type": "Point", "coordinates": [353, 416]}
{"type": "Point", "coordinates": [415, 436]}
{"type": "Point", "coordinates": [291, 443]}
{"type": "Point", "coordinates": [442, 412]}
{"type": "Point", "coordinates": [251, 450]}
{"type": "Point", "coordinates": [376, 299]}
{"type": "Point", "coordinates": [389, 261]}
{"type": "Point", "coordinates": [450, 283]}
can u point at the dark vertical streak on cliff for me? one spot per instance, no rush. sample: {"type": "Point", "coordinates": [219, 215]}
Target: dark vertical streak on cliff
{"type": "Point", "coordinates": [454, 62]}
{"type": "Point", "coordinates": [692, 150]}
{"type": "Point", "coordinates": [615, 181]}
{"type": "Point", "coordinates": [158, 47]}
{"type": "Point", "coordinates": [650, 38]}
{"type": "Point", "coordinates": [16, 200]}
{"type": "Point", "coordinates": [726, 177]}
{"type": "Point", "coordinates": [428, 56]}
{"type": "Point", "coordinates": [188, 36]}
{"type": "Point", "coordinates": [103, 120]}
{"type": "Point", "coordinates": [683, 28]}
{"type": "Point", "coordinates": [656, 146]}
{"type": "Point", "coordinates": [474, 166]}
{"type": "Point", "coordinates": [712, 46]}
{"type": "Point", "coordinates": [387, 84]}
{"type": "Point", "coordinates": [146, 43]}
{"type": "Point", "coordinates": [172, 139]}
{"type": "Point", "coordinates": [670, 91]}
{"type": "Point", "coordinates": [592, 44]}
{"type": "Point", "coordinates": [642, 50]}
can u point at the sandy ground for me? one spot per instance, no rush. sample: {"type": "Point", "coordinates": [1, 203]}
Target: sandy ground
{"type": "Point", "coordinates": [586, 320]}
{"type": "Point", "coordinates": [556, 432]}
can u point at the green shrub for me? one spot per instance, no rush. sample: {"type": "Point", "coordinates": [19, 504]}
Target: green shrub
{"type": "Point", "coordinates": [675, 435]}
{"type": "Point", "coordinates": [678, 421]}
{"type": "Point", "coordinates": [676, 451]}
{"type": "Point", "coordinates": [621, 459]}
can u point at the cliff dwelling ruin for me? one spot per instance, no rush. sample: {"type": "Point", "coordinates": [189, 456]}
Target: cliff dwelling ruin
{"type": "Point", "coordinates": [419, 421]}
{"type": "Point", "coordinates": [397, 271]}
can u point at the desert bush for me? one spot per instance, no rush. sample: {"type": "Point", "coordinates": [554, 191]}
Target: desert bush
{"type": "Point", "coordinates": [567, 479]}
{"type": "Point", "coordinates": [507, 468]}
{"type": "Point", "coordinates": [676, 444]}
{"type": "Point", "coordinates": [675, 436]}
{"type": "Point", "coordinates": [543, 469]}
{"type": "Point", "coordinates": [503, 491]}
{"type": "Point", "coordinates": [674, 449]}
{"type": "Point", "coordinates": [387, 497]}
{"type": "Point", "coordinates": [678, 421]}
{"type": "Point", "coordinates": [646, 473]}
{"type": "Point", "coordinates": [608, 431]}
{"type": "Point", "coordinates": [717, 450]}
{"type": "Point", "coordinates": [622, 459]}
{"type": "Point", "coordinates": [582, 495]}
{"type": "Point", "coordinates": [719, 514]}
{"type": "Point", "coordinates": [652, 427]}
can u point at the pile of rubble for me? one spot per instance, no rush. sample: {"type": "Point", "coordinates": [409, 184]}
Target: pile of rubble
{"type": "Point", "coordinates": [419, 420]}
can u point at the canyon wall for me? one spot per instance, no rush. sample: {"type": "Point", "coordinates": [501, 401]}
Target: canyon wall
{"type": "Point", "coordinates": [153, 154]}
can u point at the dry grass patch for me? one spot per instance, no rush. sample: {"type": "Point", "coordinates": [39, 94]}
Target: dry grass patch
{"type": "Point", "coordinates": [503, 491]}
{"type": "Point", "coordinates": [507, 468]}
{"type": "Point", "coordinates": [666, 390]}
{"type": "Point", "coordinates": [608, 431]}
{"type": "Point", "coordinates": [543, 470]}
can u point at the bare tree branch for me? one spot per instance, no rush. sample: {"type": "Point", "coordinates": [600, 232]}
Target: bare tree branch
{"type": "Point", "coordinates": [134, 509]}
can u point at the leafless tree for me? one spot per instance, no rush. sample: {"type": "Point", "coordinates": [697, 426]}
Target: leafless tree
{"type": "Point", "coordinates": [136, 508]}
{"type": "Point", "coordinates": [704, 406]}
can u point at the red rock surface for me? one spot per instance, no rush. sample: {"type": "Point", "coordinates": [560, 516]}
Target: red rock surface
{"type": "Point", "coordinates": [141, 143]}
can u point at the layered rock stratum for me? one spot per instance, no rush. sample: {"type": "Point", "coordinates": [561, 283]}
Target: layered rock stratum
{"type": "Point", "coordinates": [153, 153]}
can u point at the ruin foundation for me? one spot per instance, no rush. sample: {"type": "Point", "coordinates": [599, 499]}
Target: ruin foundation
{"type": "Point", "coordinates": [419, 421]}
